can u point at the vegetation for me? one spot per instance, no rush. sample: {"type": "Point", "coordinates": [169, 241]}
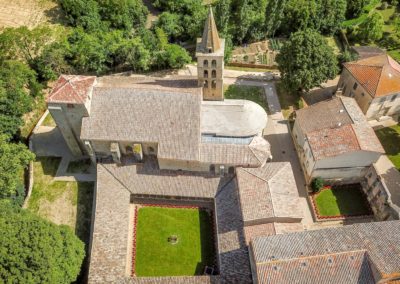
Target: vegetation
{"type": "Point", "coordinates": [49, 121]}
{"type": "Point", "coordinates": [317, 184]}
{"type": "Point", "coordinates": [193, 250]}
{"type": "Point", "coordinates": [390, 139]}
{"type": "Point", "coordinates": [251, 93]}
{"type": "Point", "coordinates": [341, 201]}
{"type": "Point", "coordinates": [36, 251]}
{"type": "Point", "coordinates": [14, 157]}
{"type": "Point", "coordinates": [306, 60]}
{"type": "Point", "coordinates": [68, 203]}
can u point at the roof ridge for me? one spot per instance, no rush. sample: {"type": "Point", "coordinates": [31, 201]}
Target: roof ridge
{"type": "Point", "coordinates": [313, 256]}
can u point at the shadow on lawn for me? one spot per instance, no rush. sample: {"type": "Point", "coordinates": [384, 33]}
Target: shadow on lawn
{"type": "Point", "coordinates": [83, 223]}
{"type": "Point", "coordinates": [207, 239]}
{"type": "Point", "coordinates": [390, 140]}
{"type": "Point", "coordinates": [351, 200]}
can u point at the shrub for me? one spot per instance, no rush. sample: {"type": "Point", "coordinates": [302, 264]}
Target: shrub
{"type": "Point", "coordinates": [317, 184]}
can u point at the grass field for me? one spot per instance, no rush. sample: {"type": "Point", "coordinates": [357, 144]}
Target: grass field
{"type": "Point", "coordinates": [289, 101]}
{"type": "Point", "coordinates": [49, 121]}
{"type": "Point", "coordinates": [341, 201]}
{"type": "Point", "coordinates": [251, 93]}
{"type": "Point", "coordinates": [61, 202]}
{"type": "Point", "coordinates": [155, 256]}
{"type": "Point", "coordinates": [390, 139]}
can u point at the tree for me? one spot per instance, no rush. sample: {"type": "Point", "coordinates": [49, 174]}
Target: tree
{"type": "Point", "coordinates": [34, 250]}
{"type": "Point", "coordinates": [14, 158]}
{"type": "Point", "coordinates": [171, 24]}
{"type": "Point", "coordinates": [301, 15]}
{"type": "Point", "coordinates": [123, 14]}
{"type": "Point", "coordinates": [274, 16]}
{"type": "Point", "coordinates": [355, 7]}
{"type": "Point", "coordinates": [372, 28]}
{"type": "Point", "coordinates": [177, 57]}
{"type": "Point", "coordinates": [306, 60]}
{"type": "Point", "coordinates": [24, 44]}
{"type": "Point", "coordinates": [18, 89]}
{"type": "Point", "coordinates": [82, 13]}
{"type": "Point", "coordinates": [332, 14]}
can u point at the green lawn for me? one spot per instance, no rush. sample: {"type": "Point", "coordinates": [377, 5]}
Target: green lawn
{"type": "Point", "coordinates": [49, 121]}
{"type": "Point", "coordinates": [251, 93]}
{"type": "Point", "coordinates": [61, 202]}
{"type": "Point", "coordinates": [155, 256]}
{"type": "Point", "coordinates": [289, 101]}
{"type": "Point", "coordinates": [340, 201]}
{"type": "Point", "coordinates": [390, 139]}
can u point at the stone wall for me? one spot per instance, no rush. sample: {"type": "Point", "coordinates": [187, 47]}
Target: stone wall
{"type": "Point", "coordinates": [379, 197]}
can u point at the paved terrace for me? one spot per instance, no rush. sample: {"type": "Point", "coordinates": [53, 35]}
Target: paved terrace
{"type": "Point", "coordinates": [110, 253]}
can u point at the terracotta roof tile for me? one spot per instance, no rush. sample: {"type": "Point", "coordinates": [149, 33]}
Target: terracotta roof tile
{"type": "Point", "coordinates": [379, 75]}
{"type": "Point", "coordinates": [380, 241]}
{"type": "Point", "coordinates": [71, 89]}
{"type": "Point", "coordinates": [268, 192]}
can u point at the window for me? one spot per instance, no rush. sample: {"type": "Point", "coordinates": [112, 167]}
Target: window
{"type": "Point", "coordinates": [393, 98]}
{"type": "Point", "coordinates": [355, 86]}
{"type": "Point", "coordinates": [212, 168]}
{"type": "Point", "coordinates": [210, 50]}
{"type": "Point", "coordinates": [151, 150]}
{"type": "Point", "coordinates": [205, 63]}
{"type": "Point", "coordinates": [214, 63]}
{"type": "Point", "coordinates": [205, 84]}
{"type": "Point", "coordinates": [214, 74]}
{"type": "Point", "coordinates": [205, 74]}
{"type": "Point", "coordinates": [214, 84]}
{"type": "Point", "coordinates": [70, 106]}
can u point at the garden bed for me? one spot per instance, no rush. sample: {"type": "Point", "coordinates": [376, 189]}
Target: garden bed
{"type": "Point", "coordinates": [341, 202]}
{"type": "Point", "coordinates": [172, 241]}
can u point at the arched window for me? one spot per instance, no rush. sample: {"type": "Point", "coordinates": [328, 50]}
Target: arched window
{"type": "Point", "coordinates": [151, 150]}
{"type": "Point", "coordinates": [205, 73]}
{"type": "Point", "coordinates": [205, 63]}
{"type": "Point", "coordinates": [206, 84]}
{"type": "Point", "coordinates": [214, 63]}
{"type": "Point", "coordinates": [213, 74]}
{"type": "Point", "coordinates": [214, 84]}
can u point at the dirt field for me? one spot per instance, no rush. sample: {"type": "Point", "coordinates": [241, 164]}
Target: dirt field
{"type": "Point", "coordinates": [15, 13]}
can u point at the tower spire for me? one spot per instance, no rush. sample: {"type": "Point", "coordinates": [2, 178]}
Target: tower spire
{"type": "Point", "coordinates": [210, 40]}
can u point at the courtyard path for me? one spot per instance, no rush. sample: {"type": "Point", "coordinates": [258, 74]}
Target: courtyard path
{"type": "Point", "coordinates": [277, 134]}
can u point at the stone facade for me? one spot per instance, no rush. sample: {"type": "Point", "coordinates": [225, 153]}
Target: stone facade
{"type": "Point", "coordinates": [381, 185]}
{"type": "Point", "coordinates": [210, 61]}
{"type": "Point", "coordinates": [374, 82]}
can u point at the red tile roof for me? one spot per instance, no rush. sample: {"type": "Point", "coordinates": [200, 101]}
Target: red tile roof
{"type": "Point", "coordinates": [379, 75]}
{"type": "Point", "coordinates": [71, 89]}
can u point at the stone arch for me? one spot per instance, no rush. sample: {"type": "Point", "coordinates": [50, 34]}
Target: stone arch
{"type": "Point", "coordinates": [214, 74]}
{"type": "Point", "coordinates": [206, 84]}
{"type": "Point", "coordinates": [205, 63]}
{"type": "Point", "coordinates": [205, 73]}
{"type": "Point", "coordinates": [214, 84]}
{"type": "Point", "coordinates": [214, 63]}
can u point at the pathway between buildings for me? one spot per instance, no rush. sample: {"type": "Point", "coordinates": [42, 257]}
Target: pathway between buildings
{"type": "Point", "coordinates": [277, 134]}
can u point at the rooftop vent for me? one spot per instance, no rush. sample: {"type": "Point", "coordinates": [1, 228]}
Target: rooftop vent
{"type": "Point", "coordinates": [341, 111]}
{"type": "Point", "coordinates": [339, 124]}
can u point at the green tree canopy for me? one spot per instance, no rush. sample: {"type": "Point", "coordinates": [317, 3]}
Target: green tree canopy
{"type": "Point", "coordinates": [372, 28]}
{"type": "Point", "coordinates": [14, 158]}
{"type": "Point", "coordinates": [355, 7]}
{"type": "Point", "coordinates": [36, 251]}
{"type": "Point", "coordinates": [18, 88]}
{"type": "Point", "coordinates": [306, 60]}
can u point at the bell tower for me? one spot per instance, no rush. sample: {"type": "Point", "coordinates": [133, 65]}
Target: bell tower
{"type": "Point", "coordinates": [210, 61]}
